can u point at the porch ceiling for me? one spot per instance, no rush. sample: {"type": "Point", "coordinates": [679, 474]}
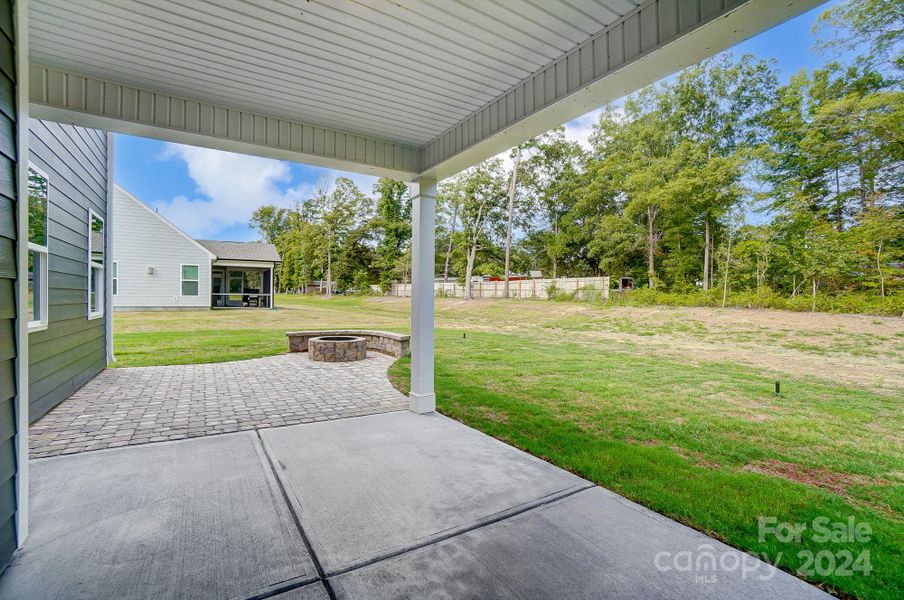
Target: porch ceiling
{"type": "Point", "coordinates": [404, 72]}
{"type": "Point", "coordinates": [390, 87]}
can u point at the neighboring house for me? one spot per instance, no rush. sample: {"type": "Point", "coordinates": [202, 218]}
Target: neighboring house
{"type": "Point", "coordinates": [242, 274]}
{"type": "Point", "coordinates": [69, 233]}
{"type": "Point", "coordinates": [157, 266]}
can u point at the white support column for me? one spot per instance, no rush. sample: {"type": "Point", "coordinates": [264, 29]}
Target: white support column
{"type": "Point", "coordinates": [423, 223]}
{"type": "Point", "coordinates": [20, 8]}
{"type": "Point", "coordinates": [108, 255]}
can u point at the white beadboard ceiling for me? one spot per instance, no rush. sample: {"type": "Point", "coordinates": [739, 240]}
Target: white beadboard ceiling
{"type": "Point", "coordinates": [403, 71]}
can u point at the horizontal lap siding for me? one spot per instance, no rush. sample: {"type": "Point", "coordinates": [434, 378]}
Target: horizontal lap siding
{"type": "Point", "coordinates": [7, 286]}
{"type": "Point", "coordinates": [142, 239]}
{"type": "Point", "coordinates": [72, 348]}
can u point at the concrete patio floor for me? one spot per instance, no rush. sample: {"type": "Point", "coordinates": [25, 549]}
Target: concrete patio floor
{"type": "Point", "coordinates": [393, 505]}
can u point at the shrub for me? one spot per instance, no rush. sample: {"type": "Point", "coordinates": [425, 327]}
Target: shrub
{"type": "Point", "coordinates": [366, 290]}
{"type": "Point", "coordinates": [587, 293]}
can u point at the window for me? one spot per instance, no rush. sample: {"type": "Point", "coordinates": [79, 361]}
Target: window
{"type": "Point", "coordinates": [38, 196]}
{"type": "Point", "coordinates": [95, 266]}
{"type": "Point", "coordinates": [115, 278]}
{"type": "Point", "coordinates": [190, 280]}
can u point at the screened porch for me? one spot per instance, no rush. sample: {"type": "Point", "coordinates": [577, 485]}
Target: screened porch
{"type": "Point", "coordinates": [241, 286]}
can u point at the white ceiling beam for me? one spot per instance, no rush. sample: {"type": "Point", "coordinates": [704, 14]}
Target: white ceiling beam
{"type": "Point", "coordinates": [68, 97]}
{"type": "Point", "coordinates": [657, 39]}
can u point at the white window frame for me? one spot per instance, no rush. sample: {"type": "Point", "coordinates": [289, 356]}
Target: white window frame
{"type": "Point", "coordinates": [114, 280]}
{"type": "Point", "coordinates": [43, 290]}
{"type": "Point", "coordinates": [183, 280]}
{"type": "Point", "coordinates": [99, 294]}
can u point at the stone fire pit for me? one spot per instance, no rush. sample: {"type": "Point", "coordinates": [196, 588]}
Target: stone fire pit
{"type": "Point", "coordinates": [384, 342]}
{"type": "Point", "coordinates": [337, 348]}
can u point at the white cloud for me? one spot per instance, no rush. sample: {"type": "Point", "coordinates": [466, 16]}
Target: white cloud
{"type": "Point", "coordinates": [306, 190]}
{"type": "Point", "coordinates": [364, 182]}
{"type": "Point", "coordinates": [231, 186]}
{"type": "Point", "coordinates": [579, 130]}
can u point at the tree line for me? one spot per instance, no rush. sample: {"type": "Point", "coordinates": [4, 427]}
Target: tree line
{"type": "Point", "coordinates": [718, 180]}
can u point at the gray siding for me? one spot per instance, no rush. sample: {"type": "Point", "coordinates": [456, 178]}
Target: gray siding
{"type": "Point", "coordinates": [7, 286]}
{"type": "Point", "coordinates": [72, 348]}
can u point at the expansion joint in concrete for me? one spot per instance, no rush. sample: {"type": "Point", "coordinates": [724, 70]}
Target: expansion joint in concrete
{"type": "Point", "coordinates": [501, 516]}
{"type": "Point", "coordinates": [304, 536]}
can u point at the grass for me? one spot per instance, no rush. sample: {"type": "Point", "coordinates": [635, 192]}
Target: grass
{"type": "Point", "coordinates": [188, 347]}
{"type": "Point", "coordinates": [659, 405]}
{"type": "Point", "coordinates": [177, 338]}
{"type": "Point", "coordinates": [707, 445]}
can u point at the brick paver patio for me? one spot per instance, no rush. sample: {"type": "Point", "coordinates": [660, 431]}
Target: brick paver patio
{"type": "Point", "coordinates": [129, 406]}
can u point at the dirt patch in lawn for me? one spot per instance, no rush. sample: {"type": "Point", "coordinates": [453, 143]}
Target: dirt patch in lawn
{"type": "Point", "coordinates": [821, 478]}
{"type": "Point", "coordinates": [698, 458]}
{"type": "Point", "coordinates": [492, 415]}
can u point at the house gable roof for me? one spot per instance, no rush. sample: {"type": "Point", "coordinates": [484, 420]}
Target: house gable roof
{"type": "Point", "coordinates": [251, 251]}
{"type": "Point", "coordinates": [216, 249]}
{"type": "Point", "coordinates": [123, 193]}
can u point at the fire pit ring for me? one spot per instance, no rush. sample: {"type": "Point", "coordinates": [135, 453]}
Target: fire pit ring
{"type": "Point", "coordinates": [337, 348]}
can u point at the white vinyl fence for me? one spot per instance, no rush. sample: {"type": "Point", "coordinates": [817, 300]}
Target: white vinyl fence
{"type": "Point", "coordinates": [537, 289]}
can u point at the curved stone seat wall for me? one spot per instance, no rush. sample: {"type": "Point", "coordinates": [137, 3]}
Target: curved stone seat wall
{"type": "Point", "coordinates": [385, 342]}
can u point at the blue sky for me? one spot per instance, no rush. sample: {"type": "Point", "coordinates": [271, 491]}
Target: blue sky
{"type": "Point", "coordinates": [211, 194]}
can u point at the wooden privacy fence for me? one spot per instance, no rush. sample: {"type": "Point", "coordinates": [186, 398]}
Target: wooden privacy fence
{"type": "Point", "coordinates": [535, 289]}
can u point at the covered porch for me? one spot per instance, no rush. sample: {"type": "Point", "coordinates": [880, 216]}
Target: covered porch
{"type": "Point", "coordinates": [403, 504]}
{"type": "Point", "coordinates": [323, 85]}
{"type": "Point", "coordinates": [241, 285]}
{"type": "Point", "coordinates": [243, 274]}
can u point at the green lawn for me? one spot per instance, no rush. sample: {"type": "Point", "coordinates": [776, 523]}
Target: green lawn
{"type": "Point", "coordinates": [695, 443]}
{"type": "Point", "coordinates": [630, 401]}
